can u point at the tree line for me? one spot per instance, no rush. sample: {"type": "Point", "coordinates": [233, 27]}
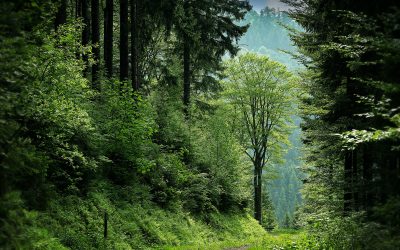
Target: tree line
{"type": "Point", "coordinates": [204, 30]}
{"type": "Point", "coordinates": [350, 109]}
{"type": "Point", "coordinates": [115, 110]}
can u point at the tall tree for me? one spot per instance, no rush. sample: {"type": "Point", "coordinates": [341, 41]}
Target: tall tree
{"type": "Point", "coordinates": [135, 43]}
{"type": "Point", "coordinates": [186, 76]}
{"type": "Point", "coordinates": [85, 31]}
{"type": "Point", "coordinates": [78, 8]}
{"type": "Point", "coordinates": [207, 30]}
{"type": "Point", "coordinates": [61, 15]}
{"type": "Point", "coordinates": [123, 41]}
{"type": "Point", "coordinates": [95, 42]}
{"type": "Point", "coordinates": [108, 37]}
{"type": "Point", "coordinates": [260, 90]}
{"type": "Point", "coordinates": [351, 50]}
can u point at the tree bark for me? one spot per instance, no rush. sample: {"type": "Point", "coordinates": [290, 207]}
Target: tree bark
{"type": "Point", "coordinates": [95, 43]}
{"type": "Point", "coordinates": [367, 178]}
{"type": "Point", "coordinates": [78, 8]}
{"type": "Point", "coordinates": [108, 37]}
{"type": "Point", "coordinates": [123, 43]}
{"type": "Point", "coordinates": [105, 225]}
{"type": "Point", "coordinates": [355, 180]}
{"type": "Point", "coordinates": [258, 192]}
{"type": "Point", "coordinates": [85, 31]}
{"type": "Point", "coordinates": [347, 189]}
{"type": "Point", "coordinates": [135, 44]}
{"type": "Point", "coordinates": [186, 76]}
{"type": "Point", "coordinates": [61, 16]}
{"type": "Point", "coordinates": [384, 169]}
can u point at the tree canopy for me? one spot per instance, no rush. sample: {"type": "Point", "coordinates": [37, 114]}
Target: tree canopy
{"type": "Point", "coordinates": [261, 93]}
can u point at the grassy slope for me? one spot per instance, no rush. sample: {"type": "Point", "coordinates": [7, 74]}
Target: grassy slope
{"type": "Point", "coordinates": [73, 222]}
{"type": "Point", "coordinates": [282, 239]}
{"type": "Point", "coordinates": [134, 223]}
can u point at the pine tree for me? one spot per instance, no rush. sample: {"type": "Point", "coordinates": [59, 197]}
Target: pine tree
{"type": "Point", "coordinates": [123, 41]}
{"type": "Point", "coordinates": [207, 30]}
{"type": "Point", "coordinates": [61, 16]}
{"type": "Point", "coordinates": [349, 44]}
{"type": "Point", "coordinates": [95, 42]}
{"type": "Point", "coordinates": [108, 37]}
{"type": "Point", "coordinates": [135, 43]}
{"type": "Point", "coordinates": [86, 30]}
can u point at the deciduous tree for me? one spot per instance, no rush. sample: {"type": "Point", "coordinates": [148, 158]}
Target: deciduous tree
{"type": "Point", "coordinates": [260, 91]}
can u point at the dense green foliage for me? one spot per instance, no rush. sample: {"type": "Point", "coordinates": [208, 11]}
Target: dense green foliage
{"type": "Point", "coordinates": [267, 35]}
{"type": "Point", "coordinates": [350, 110]}
{"type": "Point", "coordinates": [260, 93]}
{"type": "Point", "coordinates": [171, 155]}
{"type": "Point", "coordinates": [71, 153]}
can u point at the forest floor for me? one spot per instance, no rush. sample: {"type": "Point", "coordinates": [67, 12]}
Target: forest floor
{"type": "Point", "coordinates": [279, 239]}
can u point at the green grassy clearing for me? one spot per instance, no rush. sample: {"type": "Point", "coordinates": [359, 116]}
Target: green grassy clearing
{"type": "Point", "coordinates": [278, 239]}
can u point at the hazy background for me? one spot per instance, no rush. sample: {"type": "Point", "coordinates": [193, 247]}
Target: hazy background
{"type": "Point", "coordinates": [260, 4]}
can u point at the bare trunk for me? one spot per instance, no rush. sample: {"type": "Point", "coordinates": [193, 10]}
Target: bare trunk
{"type": "Point", "coordinates": [367, 178]}
{"type": "Point", "coordinates": [108, 37]}
{"type": "Point", "coordinates": [61, 16]}
{"type": "Point", "coordinates": [123, 43]}
{"type": "Point", "coordinates": [95, 43]}
{"type": "Point", "coordinates": [347, 189]}
{"type": "Point", "coordinates": [258, 190]}
{"type": "Point", "coordinates": [134, 44]}
{"type": "Point", "coordinates": [78, 8]}
{"type": "Point", "coordinates": [85, 31]}
{"type": "Point", "coordinates": [355, 180]}
{"type": "Point", "coordinates": [186, 77]}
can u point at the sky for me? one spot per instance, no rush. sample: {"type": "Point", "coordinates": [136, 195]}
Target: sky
{"type": "Point", "coordinates": [260, 4]}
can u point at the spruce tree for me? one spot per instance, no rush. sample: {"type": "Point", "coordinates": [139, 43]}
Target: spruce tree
{"type": "Point", "coordinates": [123, 41]}
{"type": "Point", "coordinates": [108, 37]}
{"type": "Point", "coordinates": [95, 42]}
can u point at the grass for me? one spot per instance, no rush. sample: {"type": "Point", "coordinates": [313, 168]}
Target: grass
{"type": "Point", "coordinates": [73, 222]}
{"type": "Point", "coordinates": [278, 239]}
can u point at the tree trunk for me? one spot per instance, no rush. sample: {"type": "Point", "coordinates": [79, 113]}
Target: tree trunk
{"type": "Point", "coordinates": [78, 8]}
{"type": "Point", "coordinates": [95, 43]}
{"type": "Point", "coordinates": [347, 188]}
{"type": "Point", "coordinates": [355, 180]}
{"type": "Point", "coordinates": [367, 178]}
{"type": "Point", "coordinates": [108, 37]}
{"type": "Point", "coordinates": [384, 168]}
{"type": "Point", "coordinates": [186, 76]}
{"type": "Point", "coordinates": [258, 192]}
{"type": "Point", "coordinates": [123, 43]}
{"type": "Point", "coordinates": [61, 16]}
{"type": "Point", "coordinates": [134, 44]}
{"type": "Point", "coordinates": [85, 31]}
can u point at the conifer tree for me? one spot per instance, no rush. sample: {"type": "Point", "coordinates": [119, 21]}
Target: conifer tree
{"type": "Point", "coordinates": [95, 42]}
{"type": "Point", "coordinates": [61, 16]}
{"type": "Point", "coordinates": [123, 41]}
{"type": "Point", "coordinates": [349, 46]}
{"type": "Point", "coordinates": [85, 30]}
{"type": "Point", "coordinates": [135, 43]}
{"type": "Point", "coordinates": [207, 31]}
{"type": "Point", "coordinates": [108, 37]}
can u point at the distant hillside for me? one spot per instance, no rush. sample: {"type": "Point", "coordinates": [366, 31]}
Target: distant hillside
{"type": "Point", "coordinates": [266, 35]}
{"type": "Point", "coordinates": [276, 4]}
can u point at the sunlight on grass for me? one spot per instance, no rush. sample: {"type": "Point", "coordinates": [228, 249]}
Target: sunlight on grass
{"type": "Point", "coordinates": [279, 239]}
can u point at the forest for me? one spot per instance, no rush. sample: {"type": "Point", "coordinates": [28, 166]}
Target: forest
{"type": "Point", "coordinates": [199, 124]}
